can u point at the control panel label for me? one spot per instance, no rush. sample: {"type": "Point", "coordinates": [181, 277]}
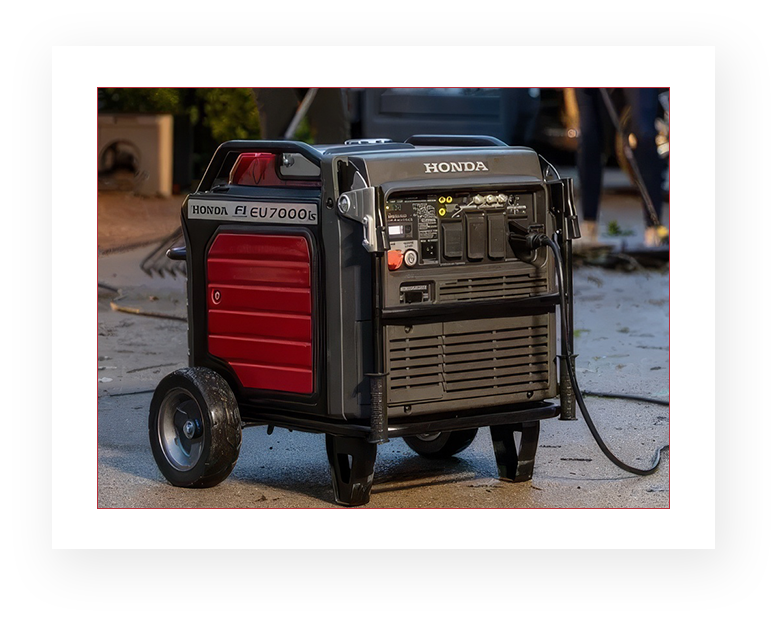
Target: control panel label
{"type": "Point", "coordinates": [416, 293]}
{"type": "Point", "coordinates": [252, 212]}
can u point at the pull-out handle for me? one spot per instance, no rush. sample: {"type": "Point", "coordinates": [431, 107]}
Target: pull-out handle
{"type": "Point", "coordinates": [455, 140]}
{"type": "Point", "coordinates": [176, 253]}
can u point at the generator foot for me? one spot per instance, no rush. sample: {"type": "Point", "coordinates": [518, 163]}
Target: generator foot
{"type": "Point", "coordinates": [515, 450]}
{"type": "Point", "coordinates": [352, 462]}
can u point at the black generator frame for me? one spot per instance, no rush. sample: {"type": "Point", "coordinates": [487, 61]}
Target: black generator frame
{"type": "Point", "coordinates": [359, 436]}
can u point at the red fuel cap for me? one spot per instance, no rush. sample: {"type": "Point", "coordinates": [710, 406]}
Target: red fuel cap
{"type": "Point", "coordinates": [394, 259]}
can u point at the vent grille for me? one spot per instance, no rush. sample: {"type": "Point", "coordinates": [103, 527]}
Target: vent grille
{"type": "Point", "coordinates": [463, 360]}
{"type": "Point", "coordinates": [493, 287]}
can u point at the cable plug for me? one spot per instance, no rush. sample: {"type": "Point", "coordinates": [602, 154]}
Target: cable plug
{"type": "Point", "coordinates": [525, 241]}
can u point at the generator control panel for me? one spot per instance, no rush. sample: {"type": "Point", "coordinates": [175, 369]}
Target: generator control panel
{"type": "Point", "coordinates": [443, 229]}
{"type": "Point", "coordinates": [438, 237]}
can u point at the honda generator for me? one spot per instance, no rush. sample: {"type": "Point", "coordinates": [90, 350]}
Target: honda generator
{"type": "Point", "coordinates": [367, 291]}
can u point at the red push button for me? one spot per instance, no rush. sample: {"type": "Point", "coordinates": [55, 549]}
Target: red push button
{"type": "Point", "coordinates": [394, 259]}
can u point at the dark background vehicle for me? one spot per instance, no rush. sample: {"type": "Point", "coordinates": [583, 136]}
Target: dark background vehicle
{"type": "Point", "coordinates": [509, 114]}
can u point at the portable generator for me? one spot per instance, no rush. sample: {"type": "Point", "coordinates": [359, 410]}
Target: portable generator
{"type": "Point", "coordinates": [371, 290]}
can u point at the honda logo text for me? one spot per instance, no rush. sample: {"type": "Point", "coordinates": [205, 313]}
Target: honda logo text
{"type": "Point", "coordinates": [455, 167]}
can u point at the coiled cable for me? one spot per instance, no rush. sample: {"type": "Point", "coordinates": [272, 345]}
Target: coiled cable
{"type": "Point", "coordinates": [538, 240]}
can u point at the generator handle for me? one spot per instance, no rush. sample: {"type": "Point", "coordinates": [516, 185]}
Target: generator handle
{"type": "Point", "coordinates": [274, 147]}
{"type": "Point", "coordinates": [455, 140]}
{"type": "Point", "coordinates": [177, 253]}
{"type": "Point", "coordinates": [562, 198]}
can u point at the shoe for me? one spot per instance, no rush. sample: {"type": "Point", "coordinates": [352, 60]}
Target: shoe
{"type": "Point", "coordinates": [589, 236]}
{"type": "Point", "coordinates": [656, 236]}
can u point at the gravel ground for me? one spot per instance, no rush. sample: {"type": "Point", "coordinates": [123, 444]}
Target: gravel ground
{"type": "Point", "coordinates": [126, 220]}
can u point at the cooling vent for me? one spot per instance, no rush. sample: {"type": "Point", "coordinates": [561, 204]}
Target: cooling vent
{"type": "Point", "coordinates": [493, 287]}
{"type": "Point", "coordinates": [469, 360]}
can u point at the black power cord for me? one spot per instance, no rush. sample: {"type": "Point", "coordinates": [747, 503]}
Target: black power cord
{"type": "Point", "coordinates": [531, 241]}
{"type": "Point", "coordinates": [626, 397]}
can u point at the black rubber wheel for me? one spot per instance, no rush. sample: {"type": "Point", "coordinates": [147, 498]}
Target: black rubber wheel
{"type": "Point", "coordinates": [441, 445]}
{"type": "Point", "coordinates": [195, 428]}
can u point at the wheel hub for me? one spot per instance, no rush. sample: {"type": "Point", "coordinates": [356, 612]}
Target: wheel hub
{"type": "Point", "coordinates": [180, 430]}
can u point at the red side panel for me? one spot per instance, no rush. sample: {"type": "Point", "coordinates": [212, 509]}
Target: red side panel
{"type": "Point", "coordinates": [259, 309]}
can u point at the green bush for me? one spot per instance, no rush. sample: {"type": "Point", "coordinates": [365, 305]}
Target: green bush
{"type": "Point", "coordinates": [221, 114]}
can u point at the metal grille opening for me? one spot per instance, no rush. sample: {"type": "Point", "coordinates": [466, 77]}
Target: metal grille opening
{"type": "Point", "coordinates": [469, 360]}
{"type": "Point", "coordinates": [493, 287]}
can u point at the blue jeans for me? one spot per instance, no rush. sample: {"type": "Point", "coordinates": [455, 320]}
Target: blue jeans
{"type": "Point", "coordinates": [594, 120]}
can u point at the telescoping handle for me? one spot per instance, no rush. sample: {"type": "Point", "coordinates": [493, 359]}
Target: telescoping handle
{"type": "Point", "coordinates": [455, 140]}
{"type": "Point", "coordinates": [238, 147]}
{"type": "Point", "coordinates": [177, 253]}
{"type": "Point", "coordinates": [562, 194]}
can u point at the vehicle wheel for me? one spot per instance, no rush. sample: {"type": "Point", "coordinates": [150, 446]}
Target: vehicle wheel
{"type": "Point", "coordinates": [442, 444]}
{"type": "Point", "coordinates": [195, 428]}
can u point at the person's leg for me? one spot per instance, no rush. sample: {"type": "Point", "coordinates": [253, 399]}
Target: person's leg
{"type": "Point", "coordinates": [644, 105]}
{"type": "Point", "coordinates": [589, 158]}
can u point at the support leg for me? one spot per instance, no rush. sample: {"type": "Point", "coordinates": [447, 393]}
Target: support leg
{"type": "Point", "coordinates": [515, 450]}
{"type": "Point", "coordinates": [351, 462]}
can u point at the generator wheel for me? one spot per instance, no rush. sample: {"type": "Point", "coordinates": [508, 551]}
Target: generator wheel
{"type": "Point", "coordinates": [195, 428]}
{"type": "Point", "coordinates": [442, 444]}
